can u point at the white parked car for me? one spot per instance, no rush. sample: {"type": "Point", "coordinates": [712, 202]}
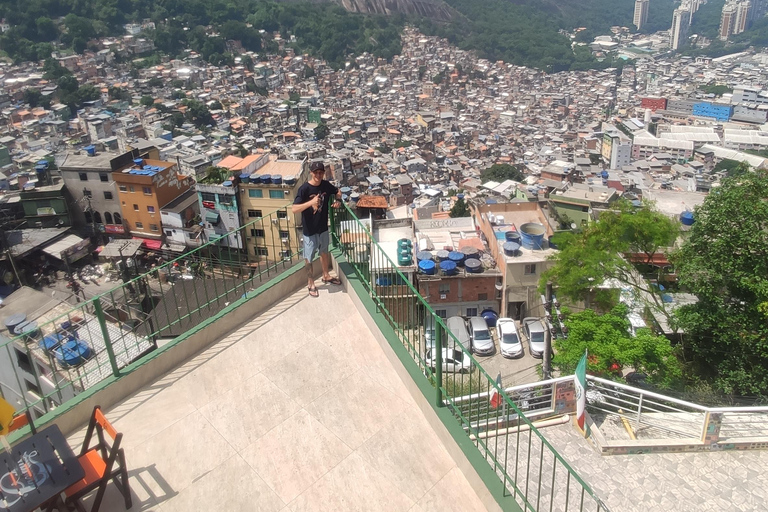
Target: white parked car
{"type": "Point", "coordinates": [454, 360]}
{"type": "Point", "coordinates": [509, 339]}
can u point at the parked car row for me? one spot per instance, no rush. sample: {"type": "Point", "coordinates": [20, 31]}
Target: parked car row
{"type": "Point", "coordinates": [475, 336]}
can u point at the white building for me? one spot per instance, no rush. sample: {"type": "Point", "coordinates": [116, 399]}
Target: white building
{"type": "Point", "coordinates": [641, 13]}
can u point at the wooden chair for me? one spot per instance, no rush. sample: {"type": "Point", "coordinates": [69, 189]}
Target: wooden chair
{"type": "Point", "coordinates": [102, 462]}
{"type": "Point", "coordinates": [22, 420]}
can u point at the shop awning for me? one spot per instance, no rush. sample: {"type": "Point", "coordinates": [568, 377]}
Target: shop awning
{"type": "Point", "coordinates": [120, 248]}
{"type": "Point", "coordinates": [148, 243]}
{"type": "Point", "coordinates": [72, 246]}
{"type": "Point", "coordinates": [212, 218]}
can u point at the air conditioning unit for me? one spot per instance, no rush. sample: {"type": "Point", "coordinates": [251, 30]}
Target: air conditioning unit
{"type": "Point", "coordinates": [274, 221]}
{"type": "Point", "coordinates": [284, 240]}
{"type": "Point", "coordinates": [443, 296]}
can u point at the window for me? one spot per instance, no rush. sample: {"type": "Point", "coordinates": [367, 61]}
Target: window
{"type": "Point", "coordinates": [276, 194]}
{"type": "Point", "coordinates": [132, 189]}
{"type": "Point", "coordinates": [147, 191]}
{"type": "Point", "coordinates": [255, 192]}
{"type": "Point", "coordinates": [107, 195]}
{"type": "Point", "coordinates": [442, 313]}
{"type": "Point", "coordinates": [135, 207]}
{"type": "Point", "coordinates": [97, 217]}
{"type": "Point", "coordinates": [226, 199]}
{"type": "Point", "coordinates": [87, 193]}
{"type": "Point", "coordinates": [445, 288]}
{"type": "Point", "coordinates": [83, 176]}
{"type": "Point", "coordinates": [123, 188]}
{"type": "Point", "coordinates": [482, 296]}
{"type": "Point", "coordinates": [282, 214]}
{"type": "Point", "coordinates": [151, 209]}
{"type": "Point", "coordinates": [23, 361]}
{"type": "Point", "coordinates": [32, 387]}
{"type": "Point", "coordinates": [104, 177]}
{"type": "Point", "coordinates": [168, 232]}
{"type": "Point", "coordinates": [254, 214]}
{"type": "Point", "coordinates": [153, 227]}
{"type": "Point", "coordinates": [257, 233]}
{"type": "Point", "coordinates": [139, 225]}
{"type": "Point", "coordinates": [471, 311]}
{"type": "Point", "coordinates": [286, 255]}
{"type": "Point", "coordinates": [530, 269]}
{"type": "Point", "coordinates": [261, 251]}
{"type": "Point", "coordinates": [107, 218]}
{"type": "Point", "coordinates": [88, 217]}
{"type": "Point", "coordinates": [118, 219]}
{"type": "Point", "coordinates": [208, 197]}
{"type": "Point", "coordinates": [283, 234]}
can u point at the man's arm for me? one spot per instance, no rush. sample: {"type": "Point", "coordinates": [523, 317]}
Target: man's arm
{"type": "Point", "coordinates": [300, 205]}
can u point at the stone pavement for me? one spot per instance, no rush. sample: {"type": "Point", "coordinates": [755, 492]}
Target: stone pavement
{"type": "Point", "coordinates": [679, 482]}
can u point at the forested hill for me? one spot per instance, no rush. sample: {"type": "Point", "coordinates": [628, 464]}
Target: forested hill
{"type": "Point", "coordinates": [518, 31]}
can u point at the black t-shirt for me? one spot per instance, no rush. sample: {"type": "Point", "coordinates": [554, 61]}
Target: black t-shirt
{"type": "Point", "coordinates": [315, 222]}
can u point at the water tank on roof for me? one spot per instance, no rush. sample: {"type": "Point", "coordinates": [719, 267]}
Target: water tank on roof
{"type": "Point", "coordinates": [354, 196]}
{"type": "Point", "coordinates": [473, 266]}
{"type": "Point", "coordinates": [51, 341]}
{"type": "Point", "coordinates": [424, 256]}
{"type": "Point", "coordinates": [226, 183]}
{"type": "Point", "coordinates": [448, 267]}
{"type": "Point", "coordinates": [512, 236]}
{"type": "Point", "coordinates": [290, 180]}
{"type": "Point", "coordinates": [470, 252]}
{"type": "Point", "coordinates": [90, 150]}
{"type": "Point", "coordinates": [532, 235]}
{"type": "Point", "coordinates": [687, 218]}
{"type": "Point", "coordinates": [277, 179]}
{"type": "Point", "coordinates": [265, 178]}
{"type": "Point", "coordinates": [442, 255]}
{"type": "Point", "coordinates": [511, 248]}
{"type": "Point", "coordinates": [245, 178]}
{"type": "Point", "coordinates": [456, 257]}
{"type": "Point", "coordinates": [138, 161]}
{"type": "Point", "coordinates": [72, 353]}
{"type": "Point", "coordinates": [14, 320]}
{"type": "Point", "coordinates": [427, 267]}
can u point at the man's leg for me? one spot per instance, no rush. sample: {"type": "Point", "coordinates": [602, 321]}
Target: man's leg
{"type": "Point", "coordinates": [310, 244]}
{"type": "Point", "coordinates": [325, 256]}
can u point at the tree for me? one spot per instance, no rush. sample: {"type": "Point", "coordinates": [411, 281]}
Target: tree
{"type": "Point", "coordinates": [321, 131]}
{"type": "Point", "coordinates": [147, 101]}
{"type": "Point", "coordinates": [724, 262]}
{"type": "Point", "coordinates": [52, 70]}
{"type": "Point", "coordinates": [598, 254]}
{"type": "Point", "coordinates": [460, 209]}
{"type": "Point", "coordinates": [375, 88]}
{"type": "Point", "coordinates": [611, 348]}
{"type": "Point", "coordinates": [501, 172]}
{"type": "Point", "coordinates": [32, 97]}
{"type": "Point", "coordinates": [118, 93]}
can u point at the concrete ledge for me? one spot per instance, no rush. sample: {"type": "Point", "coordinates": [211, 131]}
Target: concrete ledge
{"type": "Point", "coordinates": [458, 454]}
{"type": "Point", "coordinates": [75, 414]}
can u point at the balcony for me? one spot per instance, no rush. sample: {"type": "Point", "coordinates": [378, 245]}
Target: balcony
{"type": "Point", "coordinates": [312, 403]}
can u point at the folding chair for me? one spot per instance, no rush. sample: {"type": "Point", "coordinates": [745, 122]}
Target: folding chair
{"type": "Point", "coordinates": [99, 462]}
{"type": "Point", "coordinates": [22, 420]}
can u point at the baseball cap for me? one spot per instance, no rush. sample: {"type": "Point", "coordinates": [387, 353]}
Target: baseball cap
{"type": "Point", "coordinates": [316, 166]}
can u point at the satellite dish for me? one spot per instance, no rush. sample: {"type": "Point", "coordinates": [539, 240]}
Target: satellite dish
{"type": "Point", "coordinates": [573, 225]}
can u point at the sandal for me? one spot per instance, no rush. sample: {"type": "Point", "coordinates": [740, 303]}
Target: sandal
{"type": "Point", "coordinates": [313, 292]}
{"type": "Point", "coordinates": [333, 280]}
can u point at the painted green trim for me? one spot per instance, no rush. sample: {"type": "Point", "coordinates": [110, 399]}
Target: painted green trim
{"type": "Point", "coordinates": [128, 369]}
{"type": "Point", "coordinates": [485, 471]}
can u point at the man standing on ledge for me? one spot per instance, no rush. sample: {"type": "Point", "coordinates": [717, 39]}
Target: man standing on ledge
{"type": "Point", "coordinates": [312, 201]}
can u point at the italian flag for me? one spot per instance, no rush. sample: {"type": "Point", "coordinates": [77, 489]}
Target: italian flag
{"type": "Point", "coordinates": [580, 381]}
{"type": "Point", "coordinates": [496, 398]}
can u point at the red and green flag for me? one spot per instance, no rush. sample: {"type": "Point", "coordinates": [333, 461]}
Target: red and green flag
{"type": "Point", "coordinates": [580, 381]}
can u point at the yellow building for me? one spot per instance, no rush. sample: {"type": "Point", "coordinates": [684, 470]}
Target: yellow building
{"type": "Point", "coordinates": [268, 194]}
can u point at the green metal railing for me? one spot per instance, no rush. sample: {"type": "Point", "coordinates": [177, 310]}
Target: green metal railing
{"type": "Point", "coordinates": [532, 472]}
{"type": "Point", "coordinates": [47, 367]}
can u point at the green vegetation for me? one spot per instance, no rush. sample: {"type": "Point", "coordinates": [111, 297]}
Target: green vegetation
{"type": "Point", "coordinates": [595, 255]}
{"type": "Point", "coordinates": [460, 209]}
{"type": "Point", "coordinates": [501, 172]}
{"type": "Point", "coordinates": [611, 348]}
{"type": "Point", "coordinates": [717, 90]}
{"type": "Point", "coordinates": [724, 263]}
{"type": "Point", "coordinates": [706, 20]}
{"type": "Point", "coordinates": [215, 175]}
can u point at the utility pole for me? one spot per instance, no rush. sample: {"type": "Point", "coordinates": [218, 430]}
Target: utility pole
{"type": "Point", "coordinates": [547, 357]}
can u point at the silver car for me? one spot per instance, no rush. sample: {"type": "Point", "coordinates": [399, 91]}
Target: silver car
{"type": "Point", "coordinates": [482, 342]}
{"type": "Point", "coordinates": [536, 333]}
{"type": "Point", "coordinates": [509, 339]}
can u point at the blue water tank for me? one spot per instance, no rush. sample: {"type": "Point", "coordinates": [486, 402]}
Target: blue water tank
{"type": "Point", "coordinates": [512, 236]}
{"type": "Point", "coordinates": [91, 150]}
{"type": "Point", "coordinates": [490, 317]}
{"type": "Point", "coordinates": [687, 219]}
{"type": "Point", "coordinates": [510, 248]}
{"type": "Point", "coordinates": [12, 321]}
{"type": "Point", "coordinates": [277, 179]}
{"type": "Point", "coordinates": [345, 190]}
{"type": "Point", "coordinates": [473, 266]}
{"type": "Point", "coordinates": [427, 267]}
{"type": "Point", "coordinates": [265, 178]}
{"type": "Point", "coordinates": [226, 183]}
{"type": "Point", "coordinates": [532, 235]}
{"type": "Point", "coordinates": [290, 180]}
{"type": "Point", "coordinates": [470, 252]}
{"type": "Point", "coordinates": [448, 267]}
{"type": "Point", "coordinates": [245, 177]}
{"type": "Point", "coordinates": [423, 256]}
{"type": "Point", "coordinates": [355, 196]}
{"type": "Point", "coordinates": [72, 353]}
{"type": "Point", "coordinates": [51, 341]}
{"type": "Point", "coordinates": [456, 257]}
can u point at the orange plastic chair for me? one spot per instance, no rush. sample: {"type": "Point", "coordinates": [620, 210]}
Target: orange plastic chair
{"type": "Point", "coordinates": [102, 462]}
{"type": "Point", "coordinates": [22, 420]}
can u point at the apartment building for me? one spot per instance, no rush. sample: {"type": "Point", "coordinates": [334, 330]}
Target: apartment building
{"type": "Point", "coordinates": [641, 13]}
{"type": "Point", "coordinates": [144, 186]}
{"type": "Point", "coordinates": [265, 197]}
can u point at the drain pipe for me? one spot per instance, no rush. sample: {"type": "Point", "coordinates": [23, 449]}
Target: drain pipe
{"type": "Point", "coordinates": [523, 428]}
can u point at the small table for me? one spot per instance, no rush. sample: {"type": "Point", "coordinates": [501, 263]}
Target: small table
{"type": "Point", "coordinates": [39, 468]}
